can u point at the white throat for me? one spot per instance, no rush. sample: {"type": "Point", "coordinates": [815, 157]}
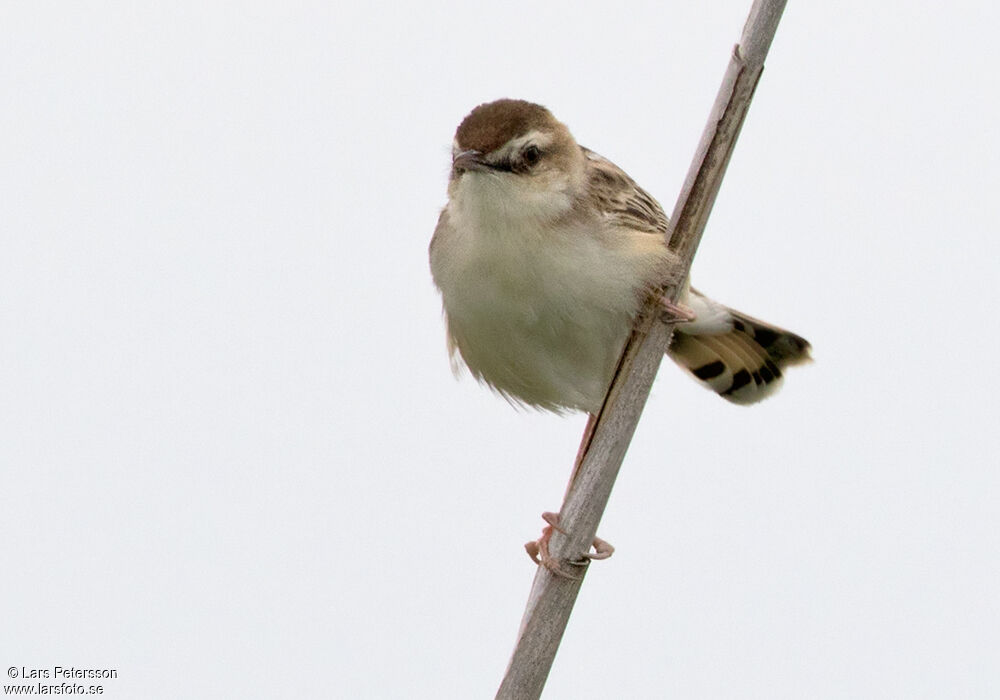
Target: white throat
{"type": "Point", "coordinates": [497, 202]}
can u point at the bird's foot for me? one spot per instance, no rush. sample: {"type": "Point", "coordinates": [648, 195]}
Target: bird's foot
{"type": "Point", "coordinates": [567, 568]}
{"type": "Point", "coordinates": [675, 313]}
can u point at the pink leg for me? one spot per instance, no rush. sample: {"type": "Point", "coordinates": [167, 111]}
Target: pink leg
{"type": "Point", "coordinates": [588, 435]}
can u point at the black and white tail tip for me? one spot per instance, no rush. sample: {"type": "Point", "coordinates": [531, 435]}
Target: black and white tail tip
{"type": "Point", "coordinates": [742, 364]}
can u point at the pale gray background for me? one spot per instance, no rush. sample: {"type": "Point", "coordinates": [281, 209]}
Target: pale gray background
{"type": "Point", "coordinates": [235, 463]}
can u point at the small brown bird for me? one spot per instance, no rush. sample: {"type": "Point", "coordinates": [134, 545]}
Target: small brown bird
{"type": "Point", "coordinates": [544, 255]}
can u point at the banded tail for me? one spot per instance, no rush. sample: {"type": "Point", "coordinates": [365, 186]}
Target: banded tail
{"type": "Point", "coordinates": [736, 356]}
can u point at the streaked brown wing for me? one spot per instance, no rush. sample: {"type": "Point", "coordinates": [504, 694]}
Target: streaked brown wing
{"type": "Point", "coordinates": [621, 200]}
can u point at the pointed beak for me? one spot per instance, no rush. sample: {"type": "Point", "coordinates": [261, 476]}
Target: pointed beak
{"type": "Point", "coordinates": [470, 160]}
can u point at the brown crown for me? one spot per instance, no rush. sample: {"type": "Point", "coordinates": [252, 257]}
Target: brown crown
{"type": "Point", "coordinates": [493, 124]}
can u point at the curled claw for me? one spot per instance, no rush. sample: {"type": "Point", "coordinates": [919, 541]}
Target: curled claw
{"type": "Point", "coordinates": [676, 313]}
{"type": "Point", "coordinates": [533, 551]}
{"type": "Point", "coordinates": [538, 550]}
{"type": "Point", "coordinates": [602, 550]}
{"type": "Point", "coordinates": [553, 520]}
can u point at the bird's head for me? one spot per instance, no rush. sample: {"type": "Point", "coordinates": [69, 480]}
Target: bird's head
{"type": "Point", "coordinates": [517, 154]}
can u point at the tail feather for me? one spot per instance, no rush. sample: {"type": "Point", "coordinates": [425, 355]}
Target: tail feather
{"type": "Point", "coordinates": [742, 360]}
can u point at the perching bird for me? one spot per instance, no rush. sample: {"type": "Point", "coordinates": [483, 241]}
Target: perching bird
{"type": "Point", "coordinates": [544, 255]}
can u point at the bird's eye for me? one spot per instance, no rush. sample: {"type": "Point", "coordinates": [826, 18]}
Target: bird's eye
{"type": "Point", "coordinates": [531, 155]}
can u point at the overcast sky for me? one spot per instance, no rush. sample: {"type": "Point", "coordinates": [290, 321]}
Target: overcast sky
{"type": "Point", "coordinates": [235, 463]}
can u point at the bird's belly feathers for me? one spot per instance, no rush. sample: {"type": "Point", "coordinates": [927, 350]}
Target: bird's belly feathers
{"type": "Point", "coordinates": [541, 323]}
{"type": "Point", "coordinates": [529, 353]}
